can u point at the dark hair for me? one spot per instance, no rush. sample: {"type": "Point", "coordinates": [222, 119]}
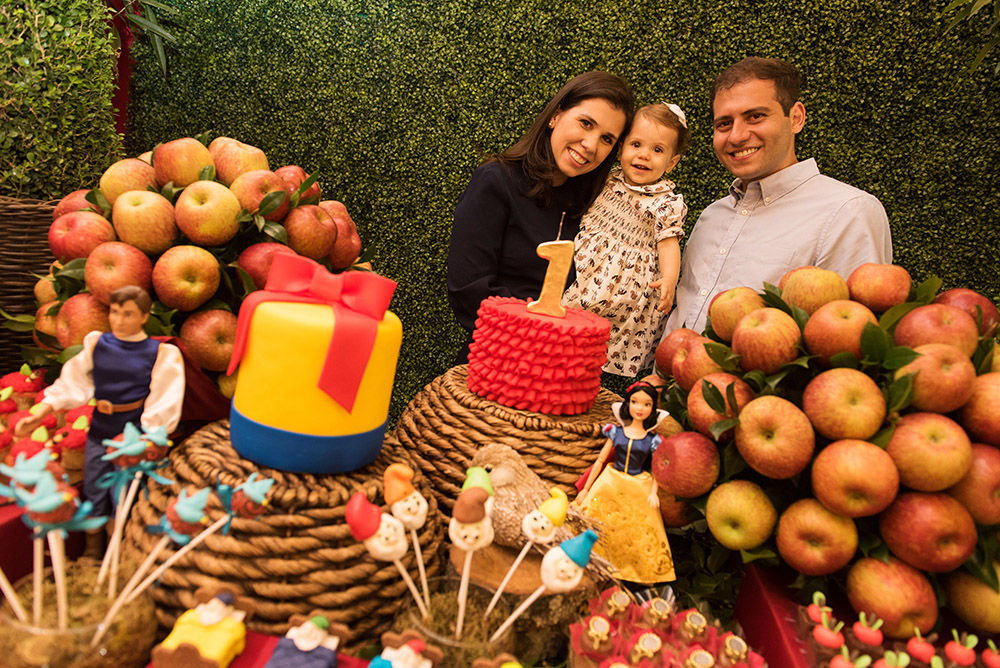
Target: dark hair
{"type": "Point", "coordinates": [626, 416]}
{"type": "Point", "coordinates": [662, 114]}
{"type": "Point", "coordinates": [787, 80]}
{"type": "Point", "coordinates": [132, 293]}
{"type": "Point", "coordinates": [533, 151]}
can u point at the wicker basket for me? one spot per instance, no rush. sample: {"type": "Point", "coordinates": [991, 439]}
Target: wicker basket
{"type": "Point", "coordinates": [445, 423]}
{"type": "Point", "coordinates": [297, 557]}
{"type": "Point", "coordinates": [24, 251]}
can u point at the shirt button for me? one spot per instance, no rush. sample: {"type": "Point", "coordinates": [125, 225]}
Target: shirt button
{"type": "Point", "coordinates": [704, 292]}
{"type": "Point", "coordinates": [722, 251]}
{"type": "Point", "coordinates": [767, 200]}
{"type": "Point", "coordinates": [744, 212]}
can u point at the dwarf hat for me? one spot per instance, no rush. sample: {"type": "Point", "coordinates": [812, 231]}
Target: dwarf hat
{"type": "Point", "coordinates": [362, 516]}
{"type": "Point", "coordinates": [554, 507]}
{"type": "Point", "coordinates": [578, 548]}
{"type": "Point", "coordinates": [397, 483]}
{"type": "Point", "coordinates": [470, 506]}
{"type": "Point", "coordinates": [476, 476]}
{"type": "Point", "coordinates": [320, 622]}
{"type": "Point", "coordinates": [417, 645]}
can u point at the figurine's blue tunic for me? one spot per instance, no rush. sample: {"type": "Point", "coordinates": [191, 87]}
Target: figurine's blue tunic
{"type": "Point", "coordinates": [287, 655]}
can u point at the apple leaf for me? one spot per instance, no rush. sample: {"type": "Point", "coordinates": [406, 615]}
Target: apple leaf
{"type": "Point", "coordinates": [245, 280]}
{"type": "Point", "coordinates": [170, 191]}
{"type": "Point", "coordinates": [731, 398]}
{"type": "Point", "coordinates": [713, 397]}
{"type": "Point", "coordinates": [216, 305]}
{"type": "Point", "coordinates": [720, 427]}
{"type": "Point", "coordinates": [875, 343]}
{"type": "Point", "coordinates": [276, 232]}
{"type": "Point", "coordinates": [67, 353]}
{"type": "Point", "coordinates": [881, 439]}
{"type": "Point", "coordinates": [72, 269]}
{"type": "Point", "coordinates": [271, 202]}
{"type": "Point", "coordinates": [204, 137]}
{"type": "Point", "coordinates": [756, 379]}
{"type": "Point", "coordinates": [801, 360]}
{"type": "Point", "coordinates": [259, 222]}
{"type": "Point", "coordinates": [844, 359]}
{"type": "Point", "coordinates": [709, 331]}
{"type": "Point", "coordinates": [927, 290]}
{"type": "Point", "coordinates": [800, 316]}
{"type": "Point", "coordinates": [244, 217]}
{"type": "Point", "coordinates": [47, 339]}
{"type": "Point", "coordinates": [898, 357]}
{"type": "Point", "coordinates": [774, 379]}
{"type": "Point", "coordinates": [757, 554]}
{"type": "Point", "coordinates": [312, 199]}
{"type": "Point", "coordinates": [723, 355]}
{"type": "Point", "coordinates": [732, 463]}
{"type": "Point", "coordinates": [293, 200]}
{"type": "Point", "coordinates": [97, 198]}
{"type": "Point", "coordinates": [717, 558]}
{"type": "Point", "coordinates": [982, 359]}
{"type": "Point", "coordinates": [899, 394]}
{"type": "Point", "coordinates": [306, 185]}
{"type": "Point", "coordinates": [891, 318]}
{"type": "Point", "coordinates": [207, 173]}
{"type": "Point", "coordinates": [772, 298]}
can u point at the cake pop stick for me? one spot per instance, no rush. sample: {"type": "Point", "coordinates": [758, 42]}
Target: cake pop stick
{"type": "Point", "coordinates": [38, 565]}
{"type": "Point", "coordinates": [57, 550]}
{"type": "Point", "coordinates": [111, 554]}
{"type": "Point", "coordinates": [470, 529]}
{"type": "Point", "coordinates": [383, 536]}
{"type": "Point", "coordinates": [11, 595]}
{"type": "Point", "coordinates": [562, 570]}
{"type": "Point", "coordinates": [410, 507]}
{"type": "Point", "coordinates": [538, 526]}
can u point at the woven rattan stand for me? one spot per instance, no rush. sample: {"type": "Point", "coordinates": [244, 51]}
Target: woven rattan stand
{"type": "Point", "coordinates": [445, 423]}
{"type": "Point", "coordinates": [298, 556]}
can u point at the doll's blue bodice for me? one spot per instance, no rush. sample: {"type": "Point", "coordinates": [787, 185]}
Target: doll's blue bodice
{"type": "Point", "coordinates": [632, 455]}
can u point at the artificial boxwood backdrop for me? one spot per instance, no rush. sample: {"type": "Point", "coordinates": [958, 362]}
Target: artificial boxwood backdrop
{"type": "Point", "coordinates": [393, 104]}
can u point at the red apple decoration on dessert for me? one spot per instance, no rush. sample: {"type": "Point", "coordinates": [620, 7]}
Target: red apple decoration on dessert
{"type": "Point", "coordinates": [75, 234]}
{"type": "Point", "coordinates": [252, 187]}
{"type": "Point", "coordinates": [669, 346]}
{"type": "Point", "coordinates": [938, 323]}
{"type": "Point", "coordinates": [975, 305]}
{"type": "Point", "coordinates": [854, 478]}
{"type": "Point", "coordinates": [766, 339]}
{"type": "Point", "coordinates": [114, 265]}
{"type": "Point", "coordinates": [80, 314]}
{"type": "Point", "coordinates": [686, 464]}
{"type": "Point", "coordinates": [208, 338]}
{"type": "Point", "coordinates": [180, 161]}
{"type": "Point", "coordinates": [943, 380]}
{"type": "Point", "coordinates": [702, 415]}
{"type": "Point", "coordinates": [347, 248]}
{"type": "Point", "coordinates": [125, 175]}
{"type": "Point", "coordinates": [294, 176]}
{"type": "Point", "coordinates": [311, 231]}
{"type": "Point", "coordinates": [185, 277]}
{"type": "Point", "coordinates": [974, 601]}
{"type": "Point", "coordinates": [932, 532]}
{"type": "Point", "coordinates": [813, 540]}
{"type": "Point", "coordinates": [739, 515]}
{"type": "Point", "coordinates": [980, 415]}
{"type": "Point", "coordinates": [256, 260]}
{"type": "Point", "coordinates": [879, 286]}
{"type": "Point", "coordinates": [232, 158]}
{"type": "Point", "coordinates": [728, 307]}
{"type": "Point", "coordinates": [775, 437]}
{"type": "Point", "coordinates": [844, 403]}
{"type": "Point", "coordinates": [75, 201]}
{"type": "Point", "coordinates": [811, 287]}
{"type": "Point", "coordinates": [931, 451]}
{"type": "Point", "coordinates": [692, 362]}
{"type": "Point", "coordinates": [979, 489]}
{"type": "Point", "coordinates": [145, 220]}
{"type": "Point", "coordinates": [896, 592]}
{"type": "Point", "coordinates": [836, 327]}
{"type": "Point", "coordinates": [208, 213]}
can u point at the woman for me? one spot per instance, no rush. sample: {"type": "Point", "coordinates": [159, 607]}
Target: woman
{"type": "Point", "coordinates": [534, 192]}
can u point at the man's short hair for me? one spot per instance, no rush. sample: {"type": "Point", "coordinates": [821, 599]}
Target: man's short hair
{"type": "Point", "coordinates": [132, 293]}
{"type": "Point", "coordinates": [786, 78]}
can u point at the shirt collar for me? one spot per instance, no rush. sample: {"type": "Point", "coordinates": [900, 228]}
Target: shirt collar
{"type": "Point", "coordinates": [778, 184]}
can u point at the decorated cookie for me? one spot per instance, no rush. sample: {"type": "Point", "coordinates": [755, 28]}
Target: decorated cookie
{"type": "Point", "coordinates": [212, 633]}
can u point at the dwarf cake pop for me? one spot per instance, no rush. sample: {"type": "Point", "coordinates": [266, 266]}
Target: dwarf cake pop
{"type": "Point", "coordinates": [470, 527]}
{"type": "Point", "coordinates": [410, 507]}
{"type": "Point", "coordinates": [408, 655]}
{"type": "Point", "coordinates": [308, 644]}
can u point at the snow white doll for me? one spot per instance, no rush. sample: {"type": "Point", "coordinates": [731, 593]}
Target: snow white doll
{"type": "Point", "coordinates": [623, 498]}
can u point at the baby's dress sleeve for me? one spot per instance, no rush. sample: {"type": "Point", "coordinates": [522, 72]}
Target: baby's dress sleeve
{"type": "Point", "coordinates": [669, 217]}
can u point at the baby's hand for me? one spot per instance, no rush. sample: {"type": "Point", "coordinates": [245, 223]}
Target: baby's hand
{"type": "Point", "coordinates": [666, 296]}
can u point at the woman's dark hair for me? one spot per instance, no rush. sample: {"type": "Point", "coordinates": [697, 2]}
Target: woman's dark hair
{"type": "Point", "coordinates": [533, 151]}
{"type": "Point", "coordinates": [623, 411]}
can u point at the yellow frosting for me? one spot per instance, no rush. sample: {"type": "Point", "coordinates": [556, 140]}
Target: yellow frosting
{"type": "Point", "coordinates": [285, 352]}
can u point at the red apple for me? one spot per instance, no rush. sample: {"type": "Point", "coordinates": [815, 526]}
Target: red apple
{"type": "Point", "coordinates": [836, 327]}
{"type": "Point", "coordinates": [932, 532]}
{"type": "Point", "coordinates": [676, 513]}
{"type": "Point", "coordinates": [739, 515]}
{"type": "Point", "coordinates": [931, 451]}
{"type": "Point", "coordinates": [775, 437]}
{"type": "Point", "coordinates": [208, 338]}
{"type": "Point", "coordinates": [311, 231]}
{"type": "Point", "coordinates": [232, 158]}
{"type": "Point", "coordinates": [80, 314]}
{"type": "Point", "coordinates": [979, 415]}
{"type": "Point", "coordinates": [251, 187]}
{"type": "Point", "coordinates": [146, 157]}
{"type": "Point", "coordinates": [879, 286]}
{"type": "Point", "coordinates": [669, 346]}
{"type": "Point", "coordinates": [347, 248]}
{"type": "Point", "coordinates": [854, 478]}
{"type": "Point", "coordinates": [185, 277]}
{"type": "Point", "coordinates": [974, 601]}
{"type": "Point", "coordinates": [943, 380]}
{"type": "Point", "coordinates": [811, 287]}
{"type": "Point", "coordinates": [146, 220]}
{"type": "Point", "coordinates": [125, 175]}
{"type": "Point", "coordinates": [979, 489]}
{"type": "Point", "coordinates": [938, 323]}
{"type": "Point", "coordinates": [766, 339]}
{"type": "Point", "coordinates": [114, 265]}
{"type": "Point", "coordinates": [702, 415]}
{"type": "Point", "coordinates": [692, 362]}
{"type": "Point", "coordinates": [686, 464]}
{"type": "Point", "coordinates": [180, 161]}
{"type": "Point", "coordinates": [75, 234]}
{"type": "Point", "coordinates": [45, 323]}
{"type": "Point", "coordinates": [896, 593]}
{"type": "Point", "coordinates": [728, 307]}
{"type": "Point", "coordinates": [75, 201]}
{"type": "Point", "coordinates": [968, 300]}
{"type": "Point", "coordinates": [844, 403]}
{"type": "Point", "coordinates": [208, 213]}
{"type": "Point", "coordinates": [813, 540]}
{"type": "Point", "coordinates": [294, 176]}
{"type": "Point", "coordinates": [256, 260]}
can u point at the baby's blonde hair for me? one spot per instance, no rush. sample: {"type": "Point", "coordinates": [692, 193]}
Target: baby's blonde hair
{"type": "Point", "coordinates": [662, 114]}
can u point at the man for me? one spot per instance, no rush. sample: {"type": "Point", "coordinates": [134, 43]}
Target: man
{"type": "Point", "coordinates": [780, 213]}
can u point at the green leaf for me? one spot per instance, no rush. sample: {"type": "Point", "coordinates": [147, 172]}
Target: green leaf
{"type": "Point", "coordinates": [898, 357]}
{"type": "Point", "coordinates": [68, 353]}
{"type": "Point", "coordinates": [775, 379]}
{"type": "Point", "coordinates": [713, 397]}
{"type": "Point", "coordinates": [899, 394]}
{"type": "Point", "coordinates": [159, 5]}
{"type": "Point", "coordinates": [720, 427]}
{"type": "Point", "coordinates": [259, 222]}
{"type": "Point", "coordinates": [72, 269]}
{"type": "Point", "coordinates": [881, 439]}
{"type": "Point", "coordinates": [731, 401]}
{"type": "Point", "coordinates": [161, 55]}
{"type": "Point", "coordinates": [276, 232]}
{"type": "Point", "coordinates": [875, 343]}
{"type": "Point", "coordinates": [732, 463]}
{"type": "Point", "coordinates": [207, 173]}
{"type": "Point", "coordinates": [312, 199]}
{"type": "Point", "coordinates": [844, 359]}
{"type": "Point", "coordinates": [926, 291]}
{"type": "Point", "coordinates": [982, 358]}
{"type": "Point", "coordinates": [800, 361]}
{"type": "Point", "coordinates": [271, 202]}
{"type": "Point", "coordinates": [757, 554]}
{"type": "Point", "coordinates": [756, 379]}
{"type": "Point", "coordinates": [151, 26]}
{"type": "Point", "coordinates": [891, 318]}
{"type": "Point", "coordinates": [800, 316]}
{"type": "Point", "coordinates": [306, 185]}
{"type": "Point", "coordinates": [245, 280]}
{"type": "Point", "coordinates": [293, 200]}
{"type": "Point", "coordinates": [97, 198]}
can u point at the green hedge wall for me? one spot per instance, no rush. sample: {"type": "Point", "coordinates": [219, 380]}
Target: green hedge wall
{"type": "Point", "coordinates": [394, 103]}
{"type": "Point", "coordinates": [57, 76]}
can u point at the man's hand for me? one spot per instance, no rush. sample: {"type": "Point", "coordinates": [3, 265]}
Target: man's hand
{"type": "Point", "coordinates": [28, 425]}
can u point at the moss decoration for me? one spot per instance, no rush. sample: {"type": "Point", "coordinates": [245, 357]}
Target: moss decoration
{"type": "Point", "coordinates": [394, 103]}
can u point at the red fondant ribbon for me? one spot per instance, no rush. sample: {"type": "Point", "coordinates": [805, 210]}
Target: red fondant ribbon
{"type": "Point", "coordinates": [359, 301]}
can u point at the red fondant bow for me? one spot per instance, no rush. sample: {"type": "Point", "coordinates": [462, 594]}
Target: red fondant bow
{"type": "Point", "coordinates": [359, 300]}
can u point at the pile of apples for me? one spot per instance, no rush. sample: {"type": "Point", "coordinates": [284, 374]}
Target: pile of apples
{"type": "Point", "coordinates": [852, 428]}
{"type": "Point", "coordinates": [197, 226]}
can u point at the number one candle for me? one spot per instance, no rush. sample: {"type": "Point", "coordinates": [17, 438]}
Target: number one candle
{"type": "Point", "coordinates": [560, 257]}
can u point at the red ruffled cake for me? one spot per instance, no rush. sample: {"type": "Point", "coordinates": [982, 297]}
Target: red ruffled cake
{"type": "Point", "coordinates": [534, 362]}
